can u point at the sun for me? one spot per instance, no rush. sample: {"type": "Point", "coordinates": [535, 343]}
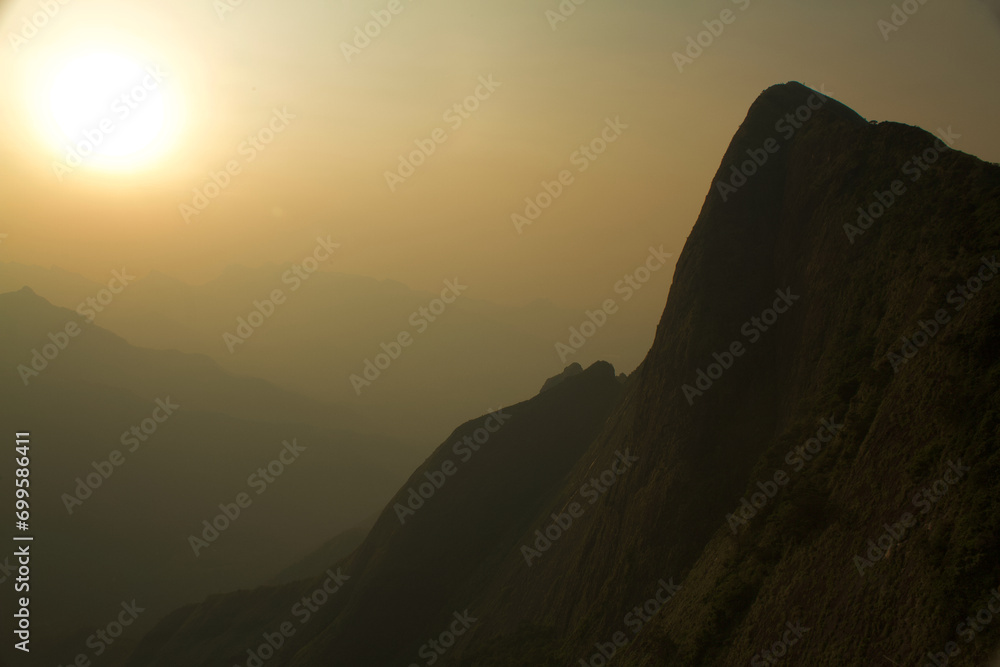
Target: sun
{"type": "Point", "coordinates": [109, 111]}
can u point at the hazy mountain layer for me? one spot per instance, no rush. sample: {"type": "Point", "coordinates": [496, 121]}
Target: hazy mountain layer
{"type": "Point", "coordinates": [132, 450]}
{"type": "Point", "coordinates": [334, 337]}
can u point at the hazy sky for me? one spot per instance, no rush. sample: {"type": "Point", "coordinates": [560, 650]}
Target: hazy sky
{"type": "Point", "coordinates": [325, 171]}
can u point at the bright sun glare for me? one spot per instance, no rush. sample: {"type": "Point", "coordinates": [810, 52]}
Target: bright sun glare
{"type": "Point", "coordinates": [109, 111]}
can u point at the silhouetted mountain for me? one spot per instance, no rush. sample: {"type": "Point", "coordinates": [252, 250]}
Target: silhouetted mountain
{"type": "Point", "coordinates": [790, 233]}
{"type": "Point", "coordinates": [570, 371]}
{"type": "Point", "coordinates": [809, 451]}
{"type": "Point", "coordinates": [133, 449]}
{"type": "Point", "coordinates": [437, 539]}
{"type": "Point", "coordinates": [30, 320]}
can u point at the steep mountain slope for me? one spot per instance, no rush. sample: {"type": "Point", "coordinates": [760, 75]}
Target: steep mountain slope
{"type": "Point", "coordinates": [833, 298]}
{"type": "Point", "coordinates": [432, 546]}
{"type": "Point", "coordinates": [806, 463]}
{"type": "Point", "coordinates": [133, 449]}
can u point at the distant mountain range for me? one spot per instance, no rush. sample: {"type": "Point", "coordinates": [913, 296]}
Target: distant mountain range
{"type": "Point", "coordinates": [473, 356]}
{"type": "Point", "coordinates": [133, 449]}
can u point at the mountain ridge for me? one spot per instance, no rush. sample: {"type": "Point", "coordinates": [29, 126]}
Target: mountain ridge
{"type": "Point", "coordinates": [778, 331]}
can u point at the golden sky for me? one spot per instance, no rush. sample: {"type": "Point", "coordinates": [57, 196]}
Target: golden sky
{"type": "Point", "coordinates": [347, 114]}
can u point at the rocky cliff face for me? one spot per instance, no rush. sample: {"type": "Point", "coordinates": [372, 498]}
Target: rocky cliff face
{"type": "Point", "coordinates": [804, 468]}
{"type": "Point", "coordinates": [826, 365]}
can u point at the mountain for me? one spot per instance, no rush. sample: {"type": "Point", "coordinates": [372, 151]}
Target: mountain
{"type": "Point", "coordinates": [804, 468]}
{"type": "Point", "coordinates": [331, 551]}
{"type": "Point", "coordinates": [132, 449]}
{"type": "Point", "coordinates": [436, 539]}
{"type": "Point", "coordinates": [31, 324]}
{"type": "Point", "coordinates": [572, 370]}
{"type": "Point", "coordinates": [783, 418]}
{"type": "Point", "coordinates": [328, 338]}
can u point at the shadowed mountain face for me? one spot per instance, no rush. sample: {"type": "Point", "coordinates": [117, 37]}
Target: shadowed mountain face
{"type": "Point", "coordinates": [709, 420]}
{"type": "Point", "coordinates": [139, 447]}
{"type": "Point", "coordinates": [809, 451]}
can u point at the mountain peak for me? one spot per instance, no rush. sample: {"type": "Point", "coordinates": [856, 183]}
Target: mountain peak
{"type": "Point", "coordinates": [24, 295]}
{"type": "Point", "coordinates": [776, 119]}
{"type": "Point", "coordinates": [788, 124]}
{"type": "Point", "coordinates": [598, 368]}
{"type": "Point", "coordinates": [568, 372]}
{"type": "Point", "coordinates": [783, 98]}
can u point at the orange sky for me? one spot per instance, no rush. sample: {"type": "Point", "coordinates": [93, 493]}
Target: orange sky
{"type": "Point", "coordinates": [553, 86]}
